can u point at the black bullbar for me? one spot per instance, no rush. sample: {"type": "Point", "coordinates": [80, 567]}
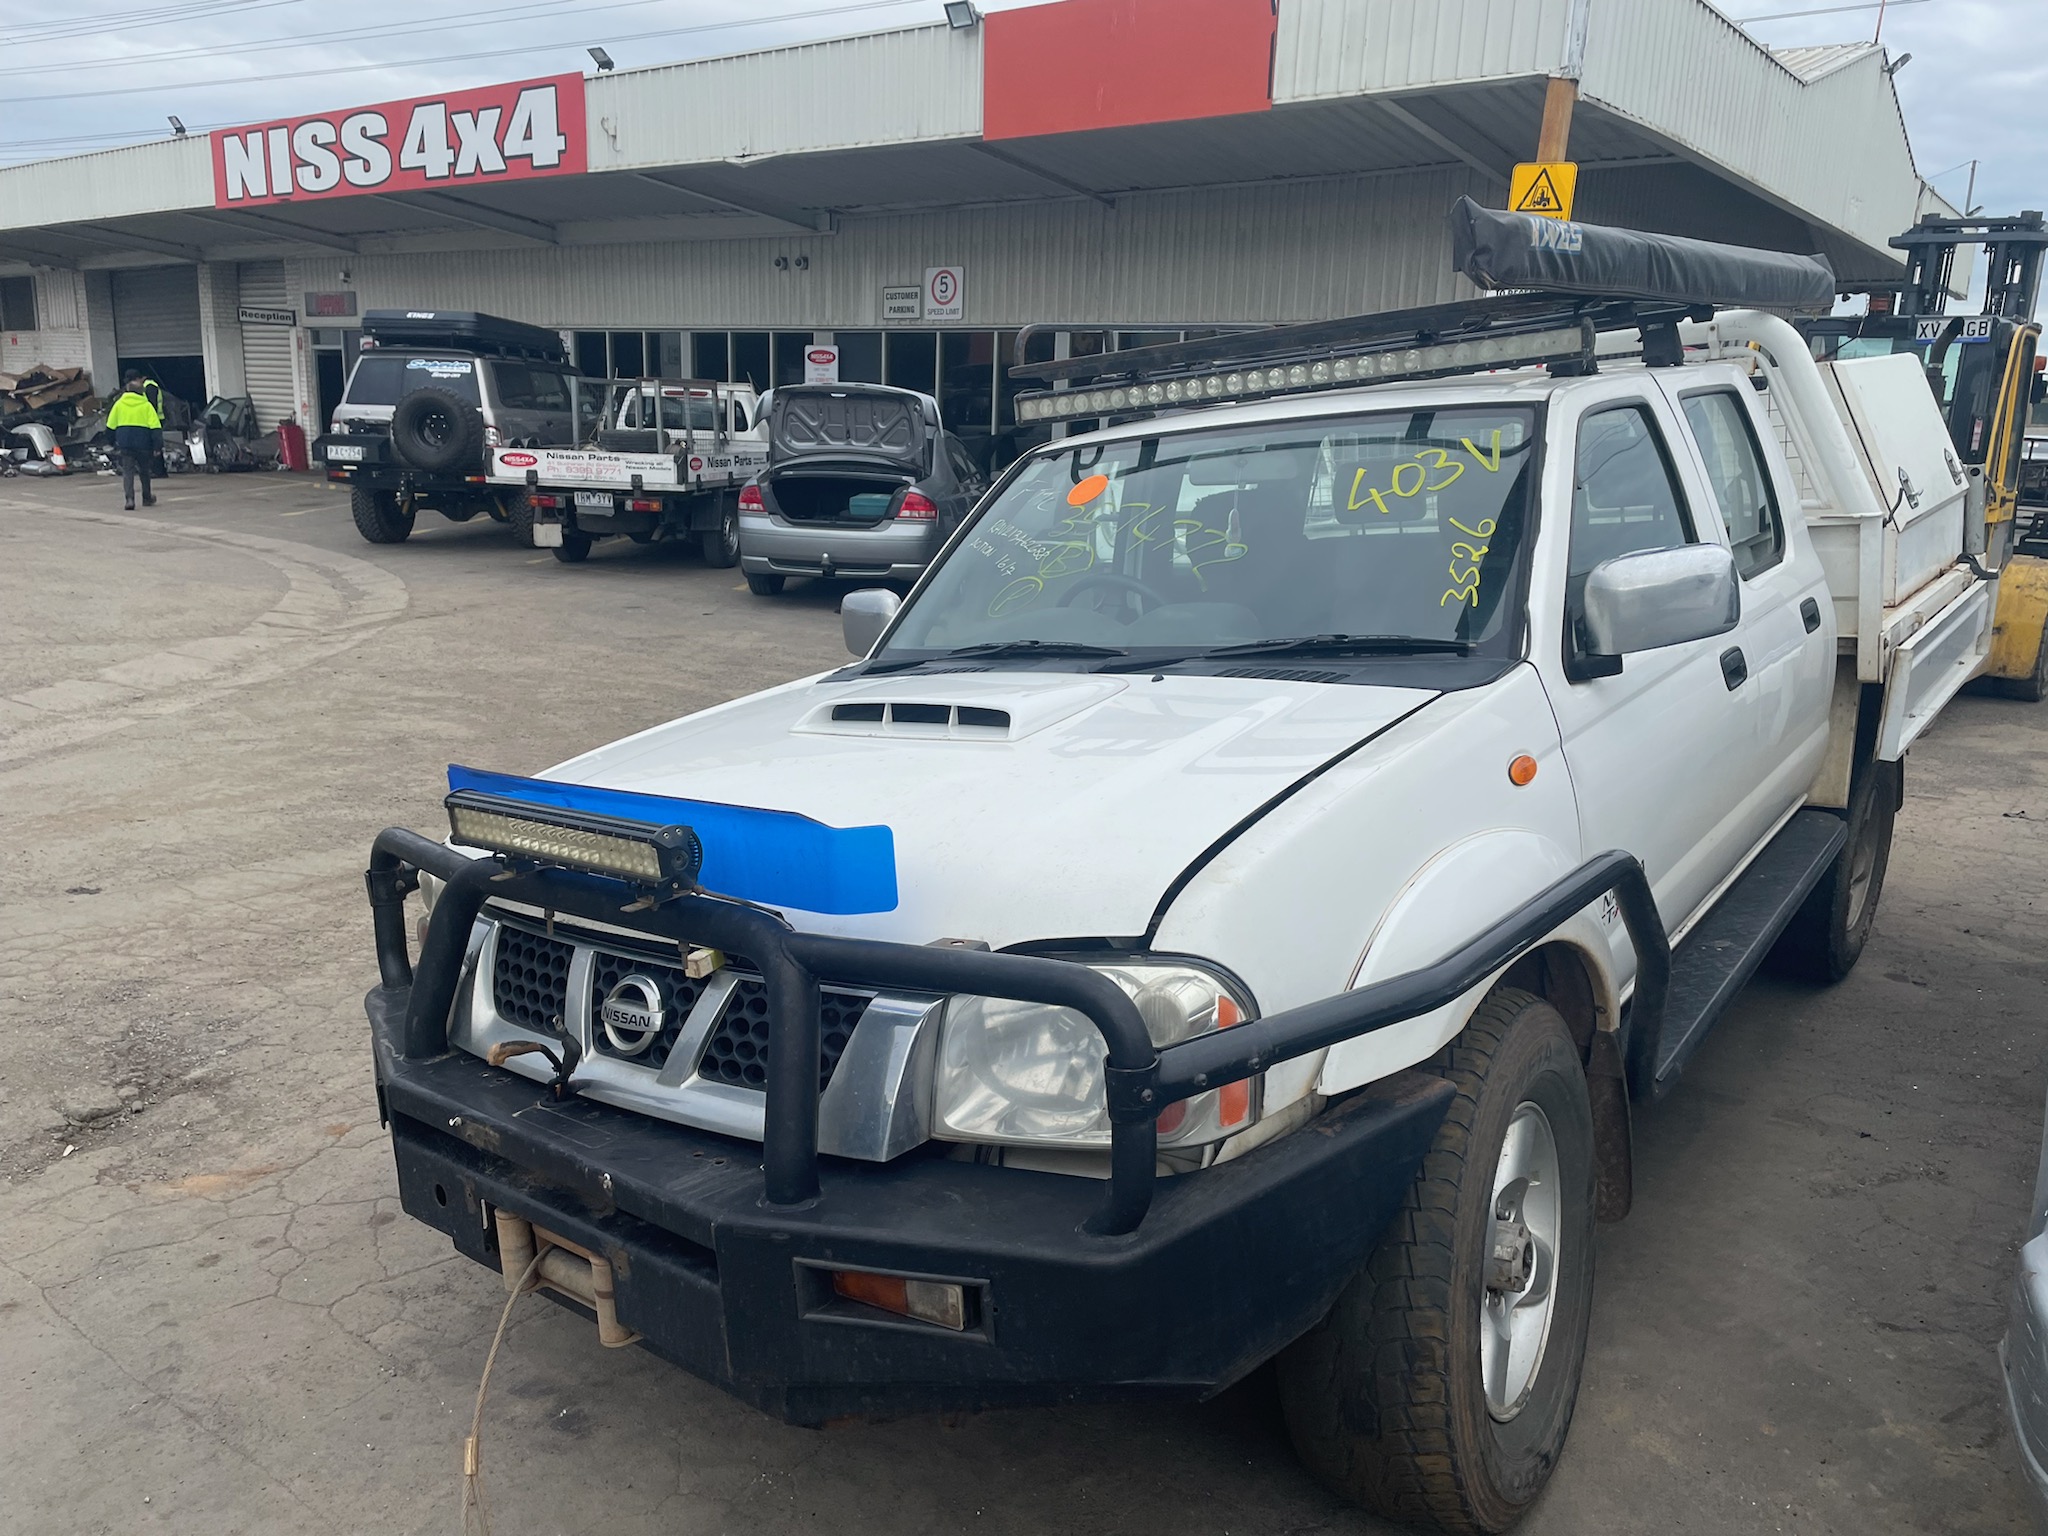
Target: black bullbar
{"type": "Point", "coordinates": [1140, 1081]}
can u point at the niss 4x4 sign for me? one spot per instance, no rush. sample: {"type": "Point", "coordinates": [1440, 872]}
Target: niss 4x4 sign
{"type": "Point", "coordinates": [493, 133]}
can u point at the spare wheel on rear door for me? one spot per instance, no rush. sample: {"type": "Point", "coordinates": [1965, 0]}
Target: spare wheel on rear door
{"type": "Point", "coordinates": [436, 431]}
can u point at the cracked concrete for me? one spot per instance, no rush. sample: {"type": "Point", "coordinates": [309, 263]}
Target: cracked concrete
{"type": "Point", "coordinates": [215, 1318]}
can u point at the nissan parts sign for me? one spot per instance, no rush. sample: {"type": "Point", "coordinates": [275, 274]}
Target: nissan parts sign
{"type": "Point", "coordinates": [457, 139]}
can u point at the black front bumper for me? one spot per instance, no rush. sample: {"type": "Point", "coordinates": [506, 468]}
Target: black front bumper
{"type": "Point", "coordinates": [1229, 1265]}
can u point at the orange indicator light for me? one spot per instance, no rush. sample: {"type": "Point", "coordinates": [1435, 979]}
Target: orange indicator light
{"type": "Point", "coordinates": [1522, 770]}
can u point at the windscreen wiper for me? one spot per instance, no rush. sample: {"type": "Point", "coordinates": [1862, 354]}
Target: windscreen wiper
{"type": "Point", "coordinates": [1340, 645]}
{"type": "Point", "coordinates": [998, 648]}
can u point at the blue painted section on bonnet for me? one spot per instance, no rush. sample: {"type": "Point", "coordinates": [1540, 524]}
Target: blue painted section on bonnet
{"type": "Point", "coordinates": [777, 858]}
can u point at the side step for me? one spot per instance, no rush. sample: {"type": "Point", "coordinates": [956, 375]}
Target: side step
{"type": "Point", "coordinates": [1720, 955]}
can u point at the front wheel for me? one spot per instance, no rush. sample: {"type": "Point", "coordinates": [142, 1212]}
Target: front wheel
{"type": "Point", "coordinates": [1826, 936]}
{"type": "Point", "coordinates": [574, 548]}
{"type": "Point", "coordinates": [1440, 1387]}
{"type": "Point", "coordinates": [377, 515]}
{"type": "Point", "coordinates": [765, 586]}
{"type": "Point", "coordinates": [721, 545]}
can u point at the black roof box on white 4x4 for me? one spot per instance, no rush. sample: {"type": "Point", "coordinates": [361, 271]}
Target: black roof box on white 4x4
{"type": "Point", "coordinates": [465, 329]}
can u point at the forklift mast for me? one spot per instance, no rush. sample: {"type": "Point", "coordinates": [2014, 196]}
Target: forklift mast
{"type": "Point", "coordinates": [2012, 282]}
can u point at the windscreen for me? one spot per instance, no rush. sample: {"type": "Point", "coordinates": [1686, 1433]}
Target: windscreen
{"type": "Point", "coordinates": [1397, 524]}
{"type": "Point", "coordinates": [384, 380]}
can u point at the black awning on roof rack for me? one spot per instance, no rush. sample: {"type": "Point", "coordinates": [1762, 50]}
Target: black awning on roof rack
{"type": "Point", "coordinates": [1519, 250]}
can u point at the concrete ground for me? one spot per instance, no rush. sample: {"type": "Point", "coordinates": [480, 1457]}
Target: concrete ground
{"type": "Point", "coordinates": [214, 1318]}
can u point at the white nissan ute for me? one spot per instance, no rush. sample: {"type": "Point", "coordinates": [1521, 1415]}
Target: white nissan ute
{"type": "Point", "coordinates": [1228, 910]}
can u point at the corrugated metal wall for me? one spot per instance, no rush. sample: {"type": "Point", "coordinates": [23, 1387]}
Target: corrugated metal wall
{"type": "Point", "coordinates": [1343, 47]}
{"type": "Point", "coordinates": [267, 349]}
{"type": "Point", "coordinates": [143, 178]}
{"type": "Point", "coordinates": [59, 338]}
{"type": "Point", "coordinates": [883, 89]}
{"type": "Point", "coordinates": [1276, 251]}
{"type": "Point", "coordinates": [1835, 148]}
{"type": "Point", "coordinates": [156, 311]}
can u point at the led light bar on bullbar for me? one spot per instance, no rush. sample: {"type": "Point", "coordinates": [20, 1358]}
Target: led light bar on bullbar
{"type": "Point", "coordinates": [667, 857]}
{"type": "Point", "coordinates": [1563, 344]}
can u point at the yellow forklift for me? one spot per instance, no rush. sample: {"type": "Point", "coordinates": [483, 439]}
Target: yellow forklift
{"type": "Point", "coordinates": [1983, 368]}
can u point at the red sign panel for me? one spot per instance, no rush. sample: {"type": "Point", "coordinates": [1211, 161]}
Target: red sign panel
{"type": "Point", "coordinates": [1083, 64]}
{"type": "Point", "coordinates": [457, 139]}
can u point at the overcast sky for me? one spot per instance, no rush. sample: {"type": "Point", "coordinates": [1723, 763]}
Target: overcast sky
{"type": "Point", "coordinates": [107, 72]}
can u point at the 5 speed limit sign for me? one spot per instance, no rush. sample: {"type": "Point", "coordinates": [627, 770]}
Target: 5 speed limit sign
{"type": "Point", "coordinates": [945, 293]}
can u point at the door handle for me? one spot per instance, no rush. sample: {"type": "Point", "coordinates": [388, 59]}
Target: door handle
{"type": "Point", "coordinates": [1734, 668]}
{"type": "Point", "coordinates": [1809, 614]}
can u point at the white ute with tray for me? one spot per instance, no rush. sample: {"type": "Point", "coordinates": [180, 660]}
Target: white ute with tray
{"type": "Point", "coordinates": [1227, 912]}
{"type": "Point", "coordinates": [665, 460]}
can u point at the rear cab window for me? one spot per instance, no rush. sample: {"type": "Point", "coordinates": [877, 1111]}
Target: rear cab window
{"type": "Point", "coordinates": [385, 380]}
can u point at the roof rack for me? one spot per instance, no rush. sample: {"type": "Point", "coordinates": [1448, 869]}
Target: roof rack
{"type": "Point", "coordinates": [463, 329]}
{"type": "Point", "coordinates": [1570, 282]}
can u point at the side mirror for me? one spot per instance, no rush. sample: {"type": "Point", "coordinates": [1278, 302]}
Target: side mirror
{"type": "Point", "coordinates": [1660, 597]}
{"type": "Point", "coordinates": [864, 615]}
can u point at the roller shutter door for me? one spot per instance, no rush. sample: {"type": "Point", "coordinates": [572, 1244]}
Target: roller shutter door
{"type": "Point", "coordinates": [267, 349]}
{"type": "Point", "coordinates": [156, 311]}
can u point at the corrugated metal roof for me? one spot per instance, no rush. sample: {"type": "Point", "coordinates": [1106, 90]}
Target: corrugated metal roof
{"type": "Point", "coordinates": [888, 121]}
{"type": "Point", "coordinates": [1817, 62]}
{"type": "Point", "coordinates": [908, 86]}
{"type": "Point", "coordinates": [1832, 149]}
{"type": "Point", "coordinates": [1349, 47]}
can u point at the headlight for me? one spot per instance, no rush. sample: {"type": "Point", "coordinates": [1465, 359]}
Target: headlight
{"type": "Point", "coordinates": [1012, 1072]}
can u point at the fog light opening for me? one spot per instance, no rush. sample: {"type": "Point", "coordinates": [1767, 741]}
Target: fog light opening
{"type": "Point", "coordinates": [928, 1301]}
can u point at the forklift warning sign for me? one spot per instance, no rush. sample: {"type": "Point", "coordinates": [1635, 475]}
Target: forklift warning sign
{"type": "Point", "coordinates": [1545, 188]}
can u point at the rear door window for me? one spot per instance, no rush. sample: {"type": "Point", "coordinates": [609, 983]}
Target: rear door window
{"type": "Point", "coordinates": [381, 380]}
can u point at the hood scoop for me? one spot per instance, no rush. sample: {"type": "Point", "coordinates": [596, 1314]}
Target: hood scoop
{"type": "Point", "coordinates": [939, 707]}
{"type": "Point", "coordinates": [923, 719]}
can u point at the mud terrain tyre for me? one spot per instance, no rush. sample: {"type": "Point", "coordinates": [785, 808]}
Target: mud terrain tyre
{"type": "Point", "coordinates": [519, 518]}
{"type": "Point", "coordinates": [1404, 1398]}
{"type": "Point", "coordinates": [438, 432]}
{"type": "Point", "coordinates": [377, 515]}
{"type": "Point", "coordinates": [1826, 935]}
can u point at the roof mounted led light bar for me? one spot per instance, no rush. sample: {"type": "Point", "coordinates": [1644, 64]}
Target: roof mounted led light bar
{"type": "Point", "coordinates": [661, 858]}
{"type": "Point", "coordinates": [1333, 369]}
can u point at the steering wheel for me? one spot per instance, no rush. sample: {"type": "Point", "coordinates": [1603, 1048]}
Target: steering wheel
{"type": "Point", "coordinates": [1116, 579]}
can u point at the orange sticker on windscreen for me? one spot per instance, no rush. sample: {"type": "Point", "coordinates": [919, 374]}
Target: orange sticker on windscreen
{"type": "Point", "coordinates": [1087, 490]}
